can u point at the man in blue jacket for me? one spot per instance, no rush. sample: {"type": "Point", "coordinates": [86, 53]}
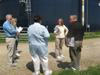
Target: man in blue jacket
{"type": "Point", "coordinates": [10, 34]}
{"type": "Point", "coordinates": [37, 37]}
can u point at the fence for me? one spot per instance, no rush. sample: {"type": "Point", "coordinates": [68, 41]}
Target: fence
{"type": "Point", "coordinates": [23, 34]}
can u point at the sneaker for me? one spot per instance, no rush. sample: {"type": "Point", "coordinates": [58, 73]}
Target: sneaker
{"type": "Point", "coordinates": [36, 73]}
{"type": "Point", "coordinates": [48, 72]}
{"type": "Point", "coordinates": [74, 69]}
{"type": "Point", "coordinates": [67, 68]}
{"type": "Point", "coordinates": [15, 61]}
{"type": "Point", "coordinates": [12, 65]}
{"type": "Point", "coordinates": [17, 54]}
{"type": "Point", "coordinates": [59, 58]}
{"type": "Point", "coordinates": [62, 56]}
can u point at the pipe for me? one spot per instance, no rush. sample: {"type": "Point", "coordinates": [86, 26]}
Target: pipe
{"type": "Point", "coordinates": [83, 12]}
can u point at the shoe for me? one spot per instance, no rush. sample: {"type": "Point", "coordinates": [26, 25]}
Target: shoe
{"type": "Point", "coordinates": [36, 73]}
{"type": "Point", "coordinates": [12, 65]}
{"type": "Point", "coordinates": [17, 54]}
{"type": "Point", "coordinates": [62, 56]}
{"type": "Point", "coordinates": [74, 69]}
{"type": "Point", "coordinates": [67, 68]}
{"type": "Point", "coordinates": [15, 61]}
{"type": "Point", "coordinates": [48, 72]}
{"type": "Point", "coordinates": [59, 58]}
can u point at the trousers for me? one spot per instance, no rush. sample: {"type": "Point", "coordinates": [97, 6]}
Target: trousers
{"type": "Point", "coordinates": [58, 46]}
{"type": "Point", "coordinates": [11, 48]}
{"type": "Point", "coordinates": [44, 62]}
{"type": "Point", "coordinates": [75, 54]}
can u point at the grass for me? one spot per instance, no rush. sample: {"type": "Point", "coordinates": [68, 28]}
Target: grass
{"type": "Point", "coordinates": [52, 37]}
{"type": "Point", "coordinates": [90, 71]}
{"type": "Point", "coordinates": [92, 35]}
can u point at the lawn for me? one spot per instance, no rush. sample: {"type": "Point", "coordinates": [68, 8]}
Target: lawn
{"type": "Point", "coordinates": [23, 38]}
{"type": "Point", "coordinates": [90, 71]}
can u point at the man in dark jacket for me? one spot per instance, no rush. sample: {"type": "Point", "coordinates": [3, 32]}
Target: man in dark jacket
{"type": "Point", "coordinates": [74, 41]}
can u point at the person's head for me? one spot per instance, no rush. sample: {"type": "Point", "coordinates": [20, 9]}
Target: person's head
{"type": "Point", "coordinates": [38, 18]}
{"type": "Point", "coordinates": [9, 17]}
{"type": "Point", "coordinates": [73, 18]}
{"type": "Point", "coordinates": [14, 21]}
{"type": "Point", "coordinates": [60, 21]}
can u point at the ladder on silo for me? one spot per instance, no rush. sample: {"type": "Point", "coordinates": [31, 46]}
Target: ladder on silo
{"type": "Point", "coordinates": [28, 10]}
{"type": "Point", "coordinates": [22, 1]}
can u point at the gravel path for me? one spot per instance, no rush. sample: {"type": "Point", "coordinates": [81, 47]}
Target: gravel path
{"type": "Point", "coordinates": [90, 57]}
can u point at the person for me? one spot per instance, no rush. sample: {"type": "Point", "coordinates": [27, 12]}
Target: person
{"type": "Point", "coordinates": [74, 41]}
{"type": "Point", "coordinates": [14, 22]}
{"type": "Point", "coordinates": [61, 31]}
{"type": "Point", "coordinates": [37, 37]}
{"type": "Point", "coordinates": [10, 34]}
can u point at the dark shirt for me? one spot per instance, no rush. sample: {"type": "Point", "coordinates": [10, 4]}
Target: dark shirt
{"type": "Point", "coordinates": [76, 30]}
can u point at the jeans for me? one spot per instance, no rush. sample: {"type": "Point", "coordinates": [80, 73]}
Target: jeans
{"type": "Point", "coordinates": [17, 40]}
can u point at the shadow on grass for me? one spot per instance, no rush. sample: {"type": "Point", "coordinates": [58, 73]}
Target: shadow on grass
{"type": "Point", "coordinates": [64, 65]}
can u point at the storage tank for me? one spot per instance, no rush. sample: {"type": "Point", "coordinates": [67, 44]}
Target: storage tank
{"type": "Point", "coordinates": [50, 10]}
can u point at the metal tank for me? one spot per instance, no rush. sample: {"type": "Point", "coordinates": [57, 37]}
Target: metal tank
{"type": "Point", "coordinates": [50, 10]}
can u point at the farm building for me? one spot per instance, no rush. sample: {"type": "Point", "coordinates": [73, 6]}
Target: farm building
{"type": "Point", "coordinates": [51, 11]}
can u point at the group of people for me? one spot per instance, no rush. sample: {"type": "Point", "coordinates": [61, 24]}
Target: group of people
{"type": "Point", "coordinates": [38, 46]}
{"type": "Point", "coordinates": [74, 41]}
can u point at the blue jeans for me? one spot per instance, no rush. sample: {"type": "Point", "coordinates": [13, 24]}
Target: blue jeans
{"type": "Point", "coordinates": [17, 40]}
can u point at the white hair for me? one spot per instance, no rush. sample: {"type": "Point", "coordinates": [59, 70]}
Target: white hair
{"type": "Point", "coordinates": [8, 15]}
{"type": "Point", "coordinates": [74, 17]}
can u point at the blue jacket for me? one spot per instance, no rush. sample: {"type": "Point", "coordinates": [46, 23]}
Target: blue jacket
{"type": "Point", "coordinates": [9, 29]}
{"type": "Point", "coordinates": [37, 37]}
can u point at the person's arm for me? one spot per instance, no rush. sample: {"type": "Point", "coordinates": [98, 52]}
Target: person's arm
{"type": "Point", "coordinates": [70, 34]}
{"type": "Point", "coordinates": [45, 33]}
{"type": "Point", "coordinates": [83, 36]}
{"type": "Point", "coordinates": [11, 29]}
{"type": "Point", "coordinates": [56, 30]}
{"type": "Point", "coordinates": [68, 40]}
{"type": "Point", "coordinates": [66, 30]}
{"type": "Point", "coordinates": [82, 44]}
{"type": "Point", "coordinates": [83, 30]}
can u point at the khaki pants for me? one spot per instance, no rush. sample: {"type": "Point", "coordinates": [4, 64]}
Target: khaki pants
{"type": "Point", "coordinates": [11, 48]}
{"type": "Point", "coordinates": [44, 62]}
{"type": "Point", "coordinates": [75, 54]}
{"type": "Point", "coordinates": [58, 46]}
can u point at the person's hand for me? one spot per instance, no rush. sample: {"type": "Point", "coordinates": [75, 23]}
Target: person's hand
{"type": "Point", "coordinates": [67, 45]}
{"type": "Point", "coordinates": [17, 33]}
{"type": "Point", "coordinates": [68, 40]}
{"type": "Point", "coordinates": [64, 34]}
{"type": "Point", "coordinates": [58, 30]}
{"type": "Point", "coordinates": [82, 44]}
{"type": "Point", "coordinates": [21, 31]}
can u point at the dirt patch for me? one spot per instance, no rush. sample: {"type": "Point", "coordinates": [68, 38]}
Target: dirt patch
{"type": "Point", "coordinates": [90, 57]}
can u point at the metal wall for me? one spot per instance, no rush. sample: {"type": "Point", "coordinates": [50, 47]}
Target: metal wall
{"type": "Point", "coordinates": [93, 14]}
{"type": "Point", "coordinates": [16, 9]}
{"type": "Point", "coordinates": [51, 11]}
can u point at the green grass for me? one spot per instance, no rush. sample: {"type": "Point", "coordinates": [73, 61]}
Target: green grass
{"type": "Point", "coordinates": [52, 36]}
{"type": "Point", "coordinates": [92, 35]}
{"type": "Point", "coordinates": [90, 71]}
